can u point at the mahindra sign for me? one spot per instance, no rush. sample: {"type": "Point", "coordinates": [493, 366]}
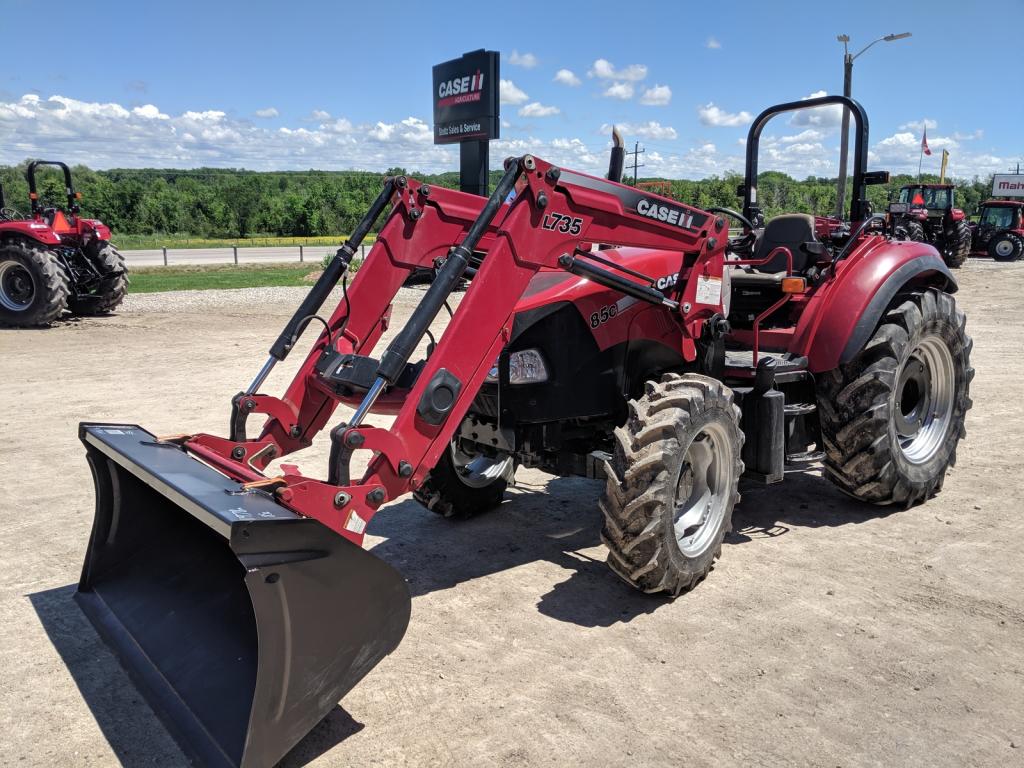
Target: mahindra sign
{"type": "Point", "coordinates": [466, 98]}
{"type": "Point", "coordinates": [1008, 185]}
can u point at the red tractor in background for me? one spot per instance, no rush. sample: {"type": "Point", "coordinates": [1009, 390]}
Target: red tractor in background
{"type": "Point", "coordinates": [606, 331]}
{"type": "Point", "coordinates": [54, 260]}
{"type": "Point", "coordinates": [999, 232]}
{"type": "Point", "coordinates": [932, 218]}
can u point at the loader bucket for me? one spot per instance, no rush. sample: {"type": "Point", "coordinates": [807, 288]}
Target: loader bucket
{"type": "Point", "coordinates": [241, 622]}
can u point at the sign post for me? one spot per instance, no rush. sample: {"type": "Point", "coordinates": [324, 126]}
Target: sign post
{"type": "Point", "coordinates": [466, 112]}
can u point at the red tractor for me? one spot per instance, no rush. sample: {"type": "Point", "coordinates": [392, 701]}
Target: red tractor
{"type": "Point", "coordinates": [932, 218]}
{"type": "Point", "coordinates": [53, 260]}
{"type": "Point", "coordinates": [607, 332]}
{"type": "Point", "coordinates": [999, 232]}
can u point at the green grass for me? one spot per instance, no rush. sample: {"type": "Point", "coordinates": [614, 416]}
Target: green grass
{"type": "Point", "coordinates": [199, 278]}
{"type": "Point", "coordinates": [127, 242]}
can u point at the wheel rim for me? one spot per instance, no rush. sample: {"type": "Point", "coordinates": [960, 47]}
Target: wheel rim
{"type": "Point", "coordinates": [924, 400]}
{"type": "Point", "coordinates": [703, 490]}
{"type": "Point", "coordinates": [1004, 247]}
{"type": "Point", "coordinates": [17, 288]}
{"type": "Point", "coordinates": [479, 471]}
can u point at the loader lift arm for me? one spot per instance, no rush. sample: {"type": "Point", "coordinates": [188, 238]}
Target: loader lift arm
{"type": "Point", "coordinates": [551, 224]}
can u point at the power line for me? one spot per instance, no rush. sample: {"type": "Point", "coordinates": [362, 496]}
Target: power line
{"type": "Point", "coordinates": [636, 156]}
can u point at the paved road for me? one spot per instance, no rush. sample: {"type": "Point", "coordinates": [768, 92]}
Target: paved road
{"type": "Point", "coordinates": [154, 257]}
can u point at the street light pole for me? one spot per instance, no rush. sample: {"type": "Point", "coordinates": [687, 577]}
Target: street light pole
{"type": "Point", "coordinates": [844, 141]}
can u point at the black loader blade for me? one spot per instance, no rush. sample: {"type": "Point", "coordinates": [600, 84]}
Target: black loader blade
{"type": "Point", "coordinates": [241, 622]}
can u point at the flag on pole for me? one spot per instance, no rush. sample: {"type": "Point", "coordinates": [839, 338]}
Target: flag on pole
{"type": "Point", "coordinates": [924, 142]}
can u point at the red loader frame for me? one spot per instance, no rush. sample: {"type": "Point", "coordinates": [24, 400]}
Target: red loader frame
{"type": "Point", "coordinates": [550, 225]}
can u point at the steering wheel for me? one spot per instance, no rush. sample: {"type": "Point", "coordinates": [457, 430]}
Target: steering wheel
{"type": "Point", "coordinates": [744, 244]}
{"type": "Point", "coordinates": [10, 214]}
{"type": "Point", "coordinates": [734, 215]}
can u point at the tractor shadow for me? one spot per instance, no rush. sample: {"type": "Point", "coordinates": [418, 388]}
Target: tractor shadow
{"type": "Point", "coordinates": [135, 734]}
{"type": "Point", "coordinates": [558, 521]}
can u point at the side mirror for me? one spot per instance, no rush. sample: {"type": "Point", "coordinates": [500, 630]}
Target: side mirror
{"type": "Point", "coordinates": [876, 177]}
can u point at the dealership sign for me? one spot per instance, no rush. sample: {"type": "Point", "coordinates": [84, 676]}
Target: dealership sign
{"type": "Point", "coordinates": [466, 98]}
{"type": "Point", "coordinates": [1008, 184]}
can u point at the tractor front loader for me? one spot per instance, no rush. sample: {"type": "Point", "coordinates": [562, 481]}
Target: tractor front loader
{"type": "Point", "coordinates": [606, 332]}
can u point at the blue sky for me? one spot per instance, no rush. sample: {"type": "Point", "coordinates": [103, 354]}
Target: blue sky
{"type": "Point", "coordinates": [332, 85]}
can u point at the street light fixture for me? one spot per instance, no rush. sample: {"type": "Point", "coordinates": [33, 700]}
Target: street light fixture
{"type": "Point", "coordinates": [844, 145]}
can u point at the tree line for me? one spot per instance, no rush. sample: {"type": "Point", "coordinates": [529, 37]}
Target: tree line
{"type": "Point", "coordinates": [213, 202]}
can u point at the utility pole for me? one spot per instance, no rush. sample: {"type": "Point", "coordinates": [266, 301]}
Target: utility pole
{"type": "Point", "coordinates": [636, 156]}
{"type": "Point", "coordinates": [844, 140]}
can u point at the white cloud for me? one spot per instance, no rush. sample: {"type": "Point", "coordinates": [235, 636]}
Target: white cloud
{"type": "Point", "coordinates": [605, 70]}
{"type": "Point", "coordinates": [510, 94]}
{"type": "Point", "coordinates": [658, 96]}
{"type": "Point", "coordinates": [103, 135]}
{"type": "Point", "coordinates": [566, 77]}
{"type": "Point", "coordinates": [652, 129]}
{"type": "Point", "coordinates": [266, 113]}
{"type": "Point", "coordinates": [711, 114]}
{"type": "Point", "coordinates": [979, 133]}
{"type": "Point", "coordinates": [525, 60]}
{"type": "Point", "coordinates": [536, 109]}
{"type": "Point", "coordinates": [918, 125]}
{"type": "Point", "coordinates": [808, 134]}
{"type": "Point", "coordinates": [822, 117]}
{"type": "Point", "coordinates": [149, 112]}
{"type": "Point", "coordinates": [319, 114]}
{"type": "Point", "coordinates": [622, 91]}
{"type": "Point", "coordinates": [713, 44]}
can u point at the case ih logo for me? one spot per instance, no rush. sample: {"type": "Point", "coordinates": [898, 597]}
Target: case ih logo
{"type": "Point", "coordinates": [461, 90]}
{"type": "Point", "coordinates": [666, 213]}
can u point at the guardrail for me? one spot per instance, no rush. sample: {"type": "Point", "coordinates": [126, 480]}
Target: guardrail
{"type": "Point", "coordinates": [169, 256]}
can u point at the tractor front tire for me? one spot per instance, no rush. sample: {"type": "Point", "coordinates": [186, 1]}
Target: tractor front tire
{"type": "Point", "coordinates": [891, 418]}
{"type": "Point", "coordinates": [33, 284]}
{"type": "Point", "coordinates": [672, 483]}
{"type": "Point", "coordinates": [956, 247]}
{"type": "Point", "coordinates": [1005, 246]}
{"type": "Point", "coordinates": [112, 288]}
{"type": "Point", "coordinates": [914, 231]}
{"type": "Point", "coordinates": [462, 486]}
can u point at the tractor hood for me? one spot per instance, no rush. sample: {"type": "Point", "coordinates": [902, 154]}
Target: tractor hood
{"type": "Point", "coordinates": [553, 285]}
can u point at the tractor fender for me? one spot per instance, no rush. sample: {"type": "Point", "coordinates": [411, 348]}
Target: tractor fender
{"type": "Point", "coordinates": [956, 214]}
{"type": "Point", "coordinates": [32, 230]}
{"type": "Point", "coordinates": [839, 326]}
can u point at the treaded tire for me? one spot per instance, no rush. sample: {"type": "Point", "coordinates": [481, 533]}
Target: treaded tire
{"type": "Point", "coordinates": [50, 284]}
{"type": "Point", "coordinates": [957, 248]}
{"type": "Point", "coordinates": [444, 492]}
{"type": "Point", "coordinates": [643, 476]}
{"type": "Point", "coordinates": [112, 289]}
{"type": "Point", "coordinates": [914, 231]}
{"type": "Point", "coordinates": [858, 404]}
{"type": "Point", "coordinates": [1016, 246]}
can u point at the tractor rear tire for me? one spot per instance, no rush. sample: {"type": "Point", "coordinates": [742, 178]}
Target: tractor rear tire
{"type": "Point", "coordinates": [956, 248]}
{"type": "Point", "coordinates": [891, 418]}
{"type": "Point", "coordinates": [111, 291]}
{"type": "Point", "coordinates": [914, 231]}
{"type": "Point", "coordinates": [672, 483]}
{"type": "Point", "coordinates": [457, 487]}
{"type": "Point", "coordinates": [1005, 246]}
{"type": "Point", "coordinates": [33, 285]}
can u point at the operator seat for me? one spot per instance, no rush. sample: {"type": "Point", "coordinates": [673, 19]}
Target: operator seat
{"type": "Point", "coordinates": [794, 231]}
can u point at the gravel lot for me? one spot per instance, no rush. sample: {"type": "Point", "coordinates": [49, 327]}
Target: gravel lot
{"type": "Point", "coordinates": [831, 633]}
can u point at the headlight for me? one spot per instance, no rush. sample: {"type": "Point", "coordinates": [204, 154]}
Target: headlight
{"type": "Point", "coordinates": [524, 367]}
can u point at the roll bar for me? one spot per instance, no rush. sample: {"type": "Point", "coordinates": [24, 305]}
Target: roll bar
{"type": "Point", "coordinates": [30, 174]}
{"type": "Point", "coordinates": [858, 205]}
